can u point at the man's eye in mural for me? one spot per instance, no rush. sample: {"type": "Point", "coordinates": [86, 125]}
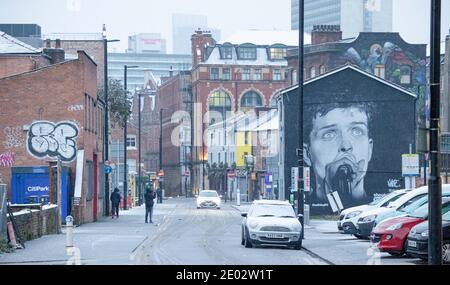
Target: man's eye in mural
{"type": "Point", "coordinates": [358, 131]}
{"type": "Point", "coordinates": [328, 135]}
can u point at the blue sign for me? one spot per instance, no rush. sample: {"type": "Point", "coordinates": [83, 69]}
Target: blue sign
{"type": "Point", "coordinates": [108, 169]}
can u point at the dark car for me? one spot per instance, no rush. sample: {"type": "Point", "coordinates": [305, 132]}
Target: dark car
{"type": "Point", "coordinates": [417, 243]}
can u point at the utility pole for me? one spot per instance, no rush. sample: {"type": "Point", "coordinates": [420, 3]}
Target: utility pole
{"type": "Point", "coordinates": [300, 195]}
{"type": "Point", "coordinates": [59, 193]}
{"type": "Point", "coordinates": [434, 182]}
{"type": "Point", "coordinates": [106, 118]}
{"type": "Point", "coordinates": [125, 164]}
{"type": "Point", "coordinates": [139, 151]}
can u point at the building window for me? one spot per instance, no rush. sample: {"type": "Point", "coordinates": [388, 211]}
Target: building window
{"type": "Point", "coordinates": [258, 74]}
{"type": "Point", "coordinates": [214, 73]}
{"type": "Point", "coordinates": [405, 75]}
{"type": "Point", "coordinates": [219, 103]}
{"type": "Point", "coordinates": [247, 52]}
{"type": "Point", "coordinates": [277, 53]}
{"type": "Point", "coordinates": [226, 51]}
{"type": "Point", "coordinates": [294, 77]}
{"type": "Point", "coordinates": [277, 75]}
{"type": "Point", "coordinates": [251, 99]}
{"type": "Point", "coordinates": [322, 69]}
{"type": "Point", "coordinates": [246, 138]}
{"type": "Point", "coordinates": [226, 73]}
{"type": "Point", "coordinates": [246, 74]}
{"type": "Point", "coordinates": [379, 70]}
{"type": "Point", "coordinates": [131, 142]}
{"type": "Point", "coordinates": [312, 72]}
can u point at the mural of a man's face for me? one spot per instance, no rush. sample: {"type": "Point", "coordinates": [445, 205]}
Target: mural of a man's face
{"type": "Point", "coordinates": [339, 137]}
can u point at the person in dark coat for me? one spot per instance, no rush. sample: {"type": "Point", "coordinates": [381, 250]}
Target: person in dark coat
{"type": "Point", "coordinates": [149, 197]}
{"type": "Point", "coordinates": [115, 202]}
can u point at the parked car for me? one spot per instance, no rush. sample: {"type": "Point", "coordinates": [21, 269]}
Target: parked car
{"type": "Point", "coordinates": [391, 235]}
{"type": "Point", "coordinates": [367, 219]}
{"type": "Point", "coordinates": [403, 211]}
{"type": "Point", "coordinates": [208, 199]}
{"type": "Point", "coordinates": [349, 217]}
{"type": "Point", "coordinates": [417, 243]}
{"type": "Point", "coordinates": [271, 222]}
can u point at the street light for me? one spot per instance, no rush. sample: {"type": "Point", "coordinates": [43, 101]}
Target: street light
{"type": "Point", "coordinates": [160, 148]}
{"type": "Point", "coordinates": [106, 119]}
{"type": "Point", "coordinates": [125, 172]}
{"type": "Point", "coordinates": [300, 203]}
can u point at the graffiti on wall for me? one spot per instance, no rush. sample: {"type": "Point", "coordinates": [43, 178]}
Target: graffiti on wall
{"type": "Point", "coordinates": [7, 159]}
{"type": "Point", "coordinates": [72, 108]}
{"type": "Point", "coordinates": [396, 65]}
{"type": "Point", "coordinates": [46, 139]}
{"type": "Point", "coordinates": [14, 137]}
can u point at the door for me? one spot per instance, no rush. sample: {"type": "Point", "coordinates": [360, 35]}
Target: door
{"type": "Point", "coordinates": [95, 201]}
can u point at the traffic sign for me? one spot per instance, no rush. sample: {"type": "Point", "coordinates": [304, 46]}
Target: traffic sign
{"type": "Point", "coordinates": [307, 178]}
{"type": "Point", "coordinates": [108, 169]}
{"type": "Point", "coordinates": [410, 165]}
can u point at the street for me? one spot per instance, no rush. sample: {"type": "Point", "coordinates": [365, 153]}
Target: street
{"type": "Point", "coordinates": [185, 235]}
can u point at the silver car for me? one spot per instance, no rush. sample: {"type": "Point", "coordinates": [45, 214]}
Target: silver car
{"type": "Point", "coordinates": [271, 222]}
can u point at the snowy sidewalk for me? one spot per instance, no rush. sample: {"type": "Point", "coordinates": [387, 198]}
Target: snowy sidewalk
{"type": "Point", "coordinates": [107, 241]}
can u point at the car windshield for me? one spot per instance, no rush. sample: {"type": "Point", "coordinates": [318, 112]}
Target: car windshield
{"type": "Point", "coordinates": [414, 206]}
{"type": "Point", "coordinates": [422, 212]}
{"type": "Point", "coordinates": [446, 217]}
{"type": "Point", "coordinates": [208, 194]}
{"type": "Point", "coordinates": [386, 199]}
{"type": "Point", "coordinates": [284, 211]}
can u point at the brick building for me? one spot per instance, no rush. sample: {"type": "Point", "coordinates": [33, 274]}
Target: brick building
{"type": "Point", "coordinates": [52, 110]}
{"type": "Point", "coordinates": [71, 43]}
{"type": "Point", "coordinates": [233, 77]}
{"type": "Point", "coordinates": [173, 97]}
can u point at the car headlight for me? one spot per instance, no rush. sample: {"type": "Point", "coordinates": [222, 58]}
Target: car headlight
{"type": "Point", "coordinates": [369, 219]}
{"type": "Point", "coordinates": [353, 214]}
{"type": "Point", "coordinates": [395, 227]}
{"type": "Point", "coordinates": [296, 228]}
{"type": "Point", "coordinates": [253, 224]}
{"type": "Point", "coordinates": [424, 234]}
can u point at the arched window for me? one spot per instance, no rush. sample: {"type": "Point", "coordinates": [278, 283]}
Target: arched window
{"type": "Point", "coordinates": [251, 99]}
{"type": "Point", "coordinates": [312, 72]}
{"type": "Point", "coordinates": [219, 104]}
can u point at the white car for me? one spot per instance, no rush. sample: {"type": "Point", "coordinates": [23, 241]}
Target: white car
{"type": "Point", "coordinates": [271, 222]}
{"type": "Point", "coordinates": [366, 220]}
{"type": "Point", "coordinates": [349, 217]}
{"type": "Point", "coordinates": [208, 199]}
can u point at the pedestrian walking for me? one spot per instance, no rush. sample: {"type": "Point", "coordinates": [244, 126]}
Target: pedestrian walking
{"type": "Point", "coordinates": [115, 201]}
{"type": "Point", "coordinates": [149, 197]}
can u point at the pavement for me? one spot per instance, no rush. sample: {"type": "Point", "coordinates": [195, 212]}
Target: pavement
{"type": "Point", "coordinates": [107, 241]}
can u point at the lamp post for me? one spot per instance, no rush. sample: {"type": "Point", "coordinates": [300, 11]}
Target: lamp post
{"type": "Point", "coordinates": [106, 118]}
{"type": "Point", "coordinates": [300, 203]}
{"type": "Point", "coordinates": [125, 172]}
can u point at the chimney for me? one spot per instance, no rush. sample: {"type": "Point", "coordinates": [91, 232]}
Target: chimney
{"type": "Point", "coordinates": [48, 43]}
{"type": "Point", "coordinates": [200, 40]}
{"type": "Point", "coordinates": [57, 54]}
{"type": "Point", "coordinates": [325, 34]}
{"type": "Point", "coordinates": [58, 44]}
{"type": "Point", "coordinates": [171, 71]}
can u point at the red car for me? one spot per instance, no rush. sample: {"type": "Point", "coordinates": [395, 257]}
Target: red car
{"type": "Point", "coordinates": [390, 235]}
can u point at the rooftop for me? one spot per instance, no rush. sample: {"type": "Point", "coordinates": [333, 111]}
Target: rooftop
{"type": "Point", "coordinates": [264, 37]}
{"type": "Point", "coordinates": [11, 45]}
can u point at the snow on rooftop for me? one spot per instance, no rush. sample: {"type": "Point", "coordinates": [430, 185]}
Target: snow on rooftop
{"type": "Point", "coordinates": [9, 44]}
{"type": "Point", "coordinates": [264, 37]}
{"type": "Point", "coordinates": [74, 36]}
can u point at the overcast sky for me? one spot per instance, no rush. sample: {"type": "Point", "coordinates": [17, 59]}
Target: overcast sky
{"type": "Point", "coordinates": [126, 17]}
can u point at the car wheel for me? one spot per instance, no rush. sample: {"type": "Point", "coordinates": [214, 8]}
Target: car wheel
{"type": "Point", "coordinates": [396, 254]}
{"type": "Point", "coordinates": [446, 253]}
{"type": "Point", "coordinates": [247, 241]}
{"type": "Point", "coordinates": [242, 237]}
{"type": "Point", "coordinates": [198, 207]}
{"type": "Point", "coordinates": [298, 246]}
{"type": "Point", "coordinates": [218, 208]}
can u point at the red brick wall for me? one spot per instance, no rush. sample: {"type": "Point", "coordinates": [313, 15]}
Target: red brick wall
{"type": "Point", "coordinates": [55, 94]}
{"type": "Point", "coordinates": [14, 64]}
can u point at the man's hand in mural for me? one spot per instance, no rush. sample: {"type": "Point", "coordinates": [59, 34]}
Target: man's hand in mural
{"type": "Point", "coordinates": [343, 175]}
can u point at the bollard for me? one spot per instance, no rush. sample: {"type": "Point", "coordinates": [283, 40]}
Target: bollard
{"type": "Point", "coordinates": [238, 197]}
{"type": "Point", "coordinates": [69, 233]}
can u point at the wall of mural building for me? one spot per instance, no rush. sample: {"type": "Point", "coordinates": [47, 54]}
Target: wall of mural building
{"type": "Point", "coordinates": [354, 136]}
